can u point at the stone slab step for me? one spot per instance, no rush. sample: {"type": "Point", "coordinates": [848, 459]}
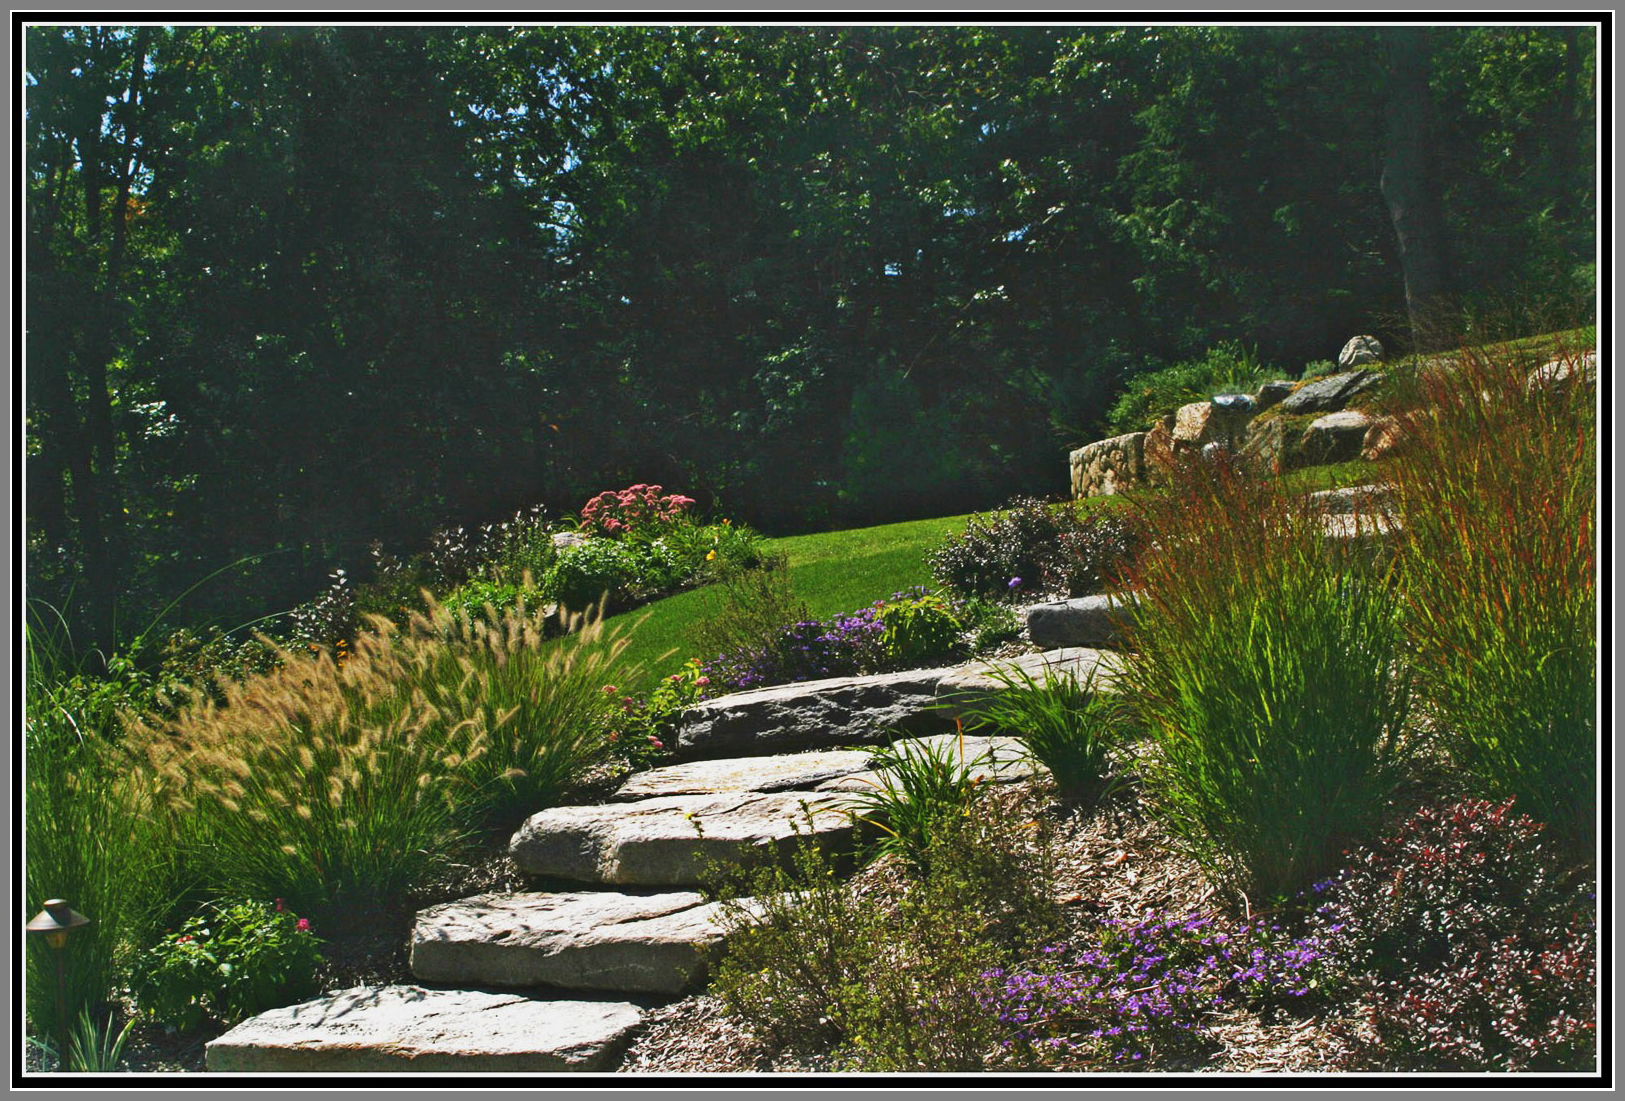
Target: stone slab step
{"type": "Point", "coordinates": [819, 714]}
{"type": "Point", "coordinates": [1082, 664]}
{"type": "Point", "coordinates": [781, 772]}
{"type": "Point", "coordinates": [411, 1028]}
{"type": "Point", "coordinates": [670, 842]}
{"type": "Point", "coordinates": [593, 940]}
{"type": "Point", "coordinates": [1372, 498]}
{"type": "Point", "coordinates": [1097, 621]}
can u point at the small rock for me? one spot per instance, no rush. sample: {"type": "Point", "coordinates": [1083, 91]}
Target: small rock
{"type": "Point", "coordinates": [1359, 351]}
{"type": "Point", "coordinates": [1234, 403]}
{"type": "Point", "coordinates": [1089, 621]}
{"type": "Point", "coordinates": [1383, 438]}
{"type": "Point", "coordinates": [1558, 373]}
{"type": "Point", "coordinates": [562, 539]}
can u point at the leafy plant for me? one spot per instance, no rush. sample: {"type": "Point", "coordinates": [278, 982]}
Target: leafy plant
{"type": "Point", "coordinates": [1468, 944]}
{"type": "Point", "coordinates": [921, 787]}
{"type": "Point", "coordinates": [747, 610]}
{"type": "Point", "coordinates": [646, 727]}
{"type": "Point", "coordinates": [237, 961]}
{"type": "Point", "coordinates": [1148, 397]}
{"type": "Point", "coordinates": [1073, 729]}
{"type": "Point", "coordinates": [892, 977]}
{"type": "Point", "coordinates": [917, 628]}
{"type": "Point", "coordinates": [1266, 665]}
{"type": "Point", "coordinates": [1496, 488]}
{"type": "Point", "coordinates": [1031, 547]}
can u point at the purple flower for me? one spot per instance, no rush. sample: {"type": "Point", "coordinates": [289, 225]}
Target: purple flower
{"type": "Point", "coordinates": [1015, 583]}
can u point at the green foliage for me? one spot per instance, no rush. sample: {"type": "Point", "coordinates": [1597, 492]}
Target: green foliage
{"type": "Point", "coordinates": [1497, 491]}
{"type": "Point", "coordinates": [231, 963]}
{"type": "Point", "coordinates": [917, 630]}
{"type": "Point", "coordinates": [1225, 369]}
{"type": "Point", "coordinates": [90, 834]}
{"type": "Point", "coordinates": [891, 979]}
{"type": "Point", "coordinates": [989, 623]}
{"type": "Point", "coordinates": [487, 600]}
{"type": "Point", "coordinates": [1072, 729]}
{"type": "Point", "coordinates": [646, 729]}
{"type": "Point", "coordinates": [921, 788]}
{"type": "Point", "coordinates": [1266, 665]}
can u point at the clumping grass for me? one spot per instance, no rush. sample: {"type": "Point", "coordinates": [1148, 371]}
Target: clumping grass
{"type": "Point", "coordinates": [327, 779]}
{"type": "Point", "coordinates": [920, 789]}
{"type": "Point", "coordinates": [1497, 488]}
{"type": "Point", "coordinates": [88, 839]}
{"type": "Point", "coordinates": [1071, 728]}
{"type": "Point", "coordinates": [1266, 668]}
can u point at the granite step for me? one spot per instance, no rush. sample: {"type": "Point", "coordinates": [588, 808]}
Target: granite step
{"type": "Point", "coordinates": [592, 940]}
{"type": "Point", "coordinates": [673, 841]}
{"type": "Point", "coordinates": [414, 1028]}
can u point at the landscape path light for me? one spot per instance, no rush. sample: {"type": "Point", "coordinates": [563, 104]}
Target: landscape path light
{"type": "Point", "coordinates": [55, 924]}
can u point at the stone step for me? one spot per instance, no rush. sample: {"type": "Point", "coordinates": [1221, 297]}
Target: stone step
{"type": "Point", "coordinates": [1007, 760]}
{"type": "Point", "coordinates": [413, 1028]}
{"type": "Point", "coordinates": [592, 940]}
{"type": "Point", "coordinates": [835, 712]}
{"type": "Point", "coordinates": [671, 841]}
{"type": "Point", "coordinates": [842, 712]}
{"type": "Point", "coordinates": [1373, 498]}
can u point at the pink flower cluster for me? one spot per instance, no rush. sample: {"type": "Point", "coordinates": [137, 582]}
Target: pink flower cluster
{"type": "Point", "coordinates": [615, 513]}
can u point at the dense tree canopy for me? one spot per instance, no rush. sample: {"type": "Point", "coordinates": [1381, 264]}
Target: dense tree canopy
{"type": "Point", "coordinates": [293, 290]}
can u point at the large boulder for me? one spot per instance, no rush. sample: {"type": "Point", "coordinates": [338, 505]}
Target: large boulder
{"type": "Point", "coordinates": [1329, 394]}
{"type": "Point", "coordinates": [593, 940]}
{"type": "Point", "coordinates": [409, 1028]}
{"type": "Point", "coordinates": [1385, 436]}
{"type": "Point", "coordinates": [1204, 422]}
{"type": "Point", "coordinates": [1358, 352]}
{"type": "Point", "coordinates": [819, 714]}
{"type": "Point", "coordinates": [1093, 621]}
{"type": "Point", "coordinates": [1108, 466]}
{"type": "Point", "coordinates": [1335, 438]}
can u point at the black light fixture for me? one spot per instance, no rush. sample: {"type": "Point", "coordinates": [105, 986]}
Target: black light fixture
{"type": "Point", "coordinates": [54, 925]}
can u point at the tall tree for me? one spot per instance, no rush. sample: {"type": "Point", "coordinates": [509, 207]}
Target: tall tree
{"type": "Point", "coordinates": [1409, 183]}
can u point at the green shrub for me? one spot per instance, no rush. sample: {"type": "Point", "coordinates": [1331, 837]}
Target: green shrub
{"type": "Point", "coordinates": [1266, 666]}
{"type": "Point", "coordinates": [486, 599]}
{"type": "Point", "coordinates": [1497, 489]}
{"type": "Point", "coordinates": [646, 728]}
{"type": "Point", "coordinates": [594, 571]}
{"type": "Point", "coordinates": [1032, 548]}
{"type": "Point", "coordinates": [231, 964]}
{"type": "Point", "coordinates": [1071, 728]}
{"type": "Point", "coordinates": [1148, 397]}
{"type": "Point", "coordinates": [90, 835]}
{"type": "Point", "coordinates": [988, 623]}
{"type": "Point", "coordinates": [917, 629]}
{"type": "Point", "coordinates": [892, 978]}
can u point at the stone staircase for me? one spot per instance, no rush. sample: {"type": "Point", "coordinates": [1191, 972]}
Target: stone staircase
{"type": "Point", "coordinates": [560, 980]}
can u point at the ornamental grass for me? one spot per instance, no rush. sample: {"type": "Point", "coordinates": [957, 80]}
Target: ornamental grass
{"type": "Point", "coordinates": [359, 776]}
{"type": "Point", "coordinates": [1267, 669]}
{"type": "Point", "coordinates": [1496, 485]}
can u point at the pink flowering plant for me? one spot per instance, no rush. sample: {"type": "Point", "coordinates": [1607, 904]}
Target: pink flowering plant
{"type": "Point", "coordinates": [229, 963]}
{"type": "Point", "coordinates": [633, 510]}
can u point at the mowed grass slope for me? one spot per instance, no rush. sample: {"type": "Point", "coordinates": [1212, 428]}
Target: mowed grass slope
{"type": "Point", "coordinates": [837, 571]}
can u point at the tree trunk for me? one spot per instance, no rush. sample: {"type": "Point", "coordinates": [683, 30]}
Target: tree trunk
{"type": "Point", "coordinates": [1409, 187]}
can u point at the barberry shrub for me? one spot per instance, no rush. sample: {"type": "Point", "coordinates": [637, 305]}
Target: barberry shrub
{"type": "Point", "coordinates": [1031, 547]}
{"type": "Point", "coordinates": [1468, 944]}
